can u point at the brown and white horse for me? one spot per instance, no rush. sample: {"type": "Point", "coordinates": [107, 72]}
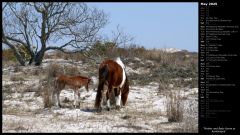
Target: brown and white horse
{"type": "Point", "coordinates": [112, 74]}
{"type": "Point", "coordinates": [75, 83]}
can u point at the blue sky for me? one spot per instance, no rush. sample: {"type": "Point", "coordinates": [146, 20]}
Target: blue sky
{"type": "Point", "coordinates": [155, 25]}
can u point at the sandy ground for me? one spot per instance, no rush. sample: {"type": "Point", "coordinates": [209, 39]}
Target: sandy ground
{"type": "Point", "coordinates": [23, 110]}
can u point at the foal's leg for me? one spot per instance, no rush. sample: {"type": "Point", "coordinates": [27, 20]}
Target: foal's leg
{"type": "Point", "coordinates": [79, 98]}
{"type": "Point", "coordinates": [58, 94]}
{"type": "Point", "coordinates": [78, 95]}
{"type": "Point", "coordinates": [58, 90]}
{"type": "Point", "coordinates": [76, 98]}
{"type": "Point", "coordinates": [53, 97]}
{"type": "Point", "coordinates": [86, 87]}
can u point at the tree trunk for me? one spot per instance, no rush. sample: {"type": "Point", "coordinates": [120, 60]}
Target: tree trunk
{"type": "Point", "coordinates": [31, 60]}
{"type": "Point", "coordinates": [20, 59]}
{"type": "Point", "coordinates": [39, 57]}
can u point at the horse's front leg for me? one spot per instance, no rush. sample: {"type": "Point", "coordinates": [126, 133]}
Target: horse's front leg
{"type": "Point", "coordinates": [117, 92]}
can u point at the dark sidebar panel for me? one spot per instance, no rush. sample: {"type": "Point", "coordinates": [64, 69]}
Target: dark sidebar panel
{"type": "Point", "coordinates": [219, 68]}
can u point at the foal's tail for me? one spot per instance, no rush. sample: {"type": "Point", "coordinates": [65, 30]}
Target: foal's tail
{"type": "Point", "coordinates": [103, 72]}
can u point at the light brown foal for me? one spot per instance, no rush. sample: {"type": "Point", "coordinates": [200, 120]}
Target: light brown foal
{"type": "Point", "coordinates": [75, 83]}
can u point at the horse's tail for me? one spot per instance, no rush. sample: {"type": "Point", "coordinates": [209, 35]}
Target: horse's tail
{"type": "Point", "coordinates": [103, 72]}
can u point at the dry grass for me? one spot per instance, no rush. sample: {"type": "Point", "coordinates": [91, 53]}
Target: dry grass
{"type": "Point", "coordinates": [174, 107]}
{"type": "Point", "coordinates": [189, 126]}
{"type": "Point", "coordinates": [71, 70]}
{"type": "Point", "coordinates": [38, 71]}
{"type": "Point", "coordinates": [163, 84]}
{"type": "Point", "coordinates": [17, 68]}
{"type": "Point", "coordinates": [47, 84]}
{"type": "Point", "coordinates": [190, 119]}
{"type": "Point", "coordinates": [65, 56]}
{"type": "Point", "coordinates": [53, 70]}
{"type": "Point", "coordinates": [179, 64]}
{"type": "Point", "coordinates": [16, 126]}
{"type": "Point", "coordinates": [46, 98]}
{"type": "Point", "coordinates": [166, 66]}
{"type": "Point", "coordinates": [17, 77]}
{"type": "Point", "coordinates": [7, 63]}
{"type": "Point", "coordinates": [46, 88]}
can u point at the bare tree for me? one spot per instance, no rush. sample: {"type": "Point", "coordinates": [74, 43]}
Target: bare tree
{"type": "Point", "coordinates": [118, 39]}
{"type": "Point", "coordinates": [40, 27]}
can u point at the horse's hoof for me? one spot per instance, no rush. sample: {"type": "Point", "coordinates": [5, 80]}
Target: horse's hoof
{"type": "Point", "coordinates": [118, 107]}
{"type": "Point", "coordinates": [99, 110]}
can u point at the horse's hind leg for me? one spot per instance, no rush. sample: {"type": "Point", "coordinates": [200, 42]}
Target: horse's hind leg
{"type": "Point", "coordinates": [108, 94]}
{"type": "Point", "coordinates": [124, 98]}
{"type": "Point", "coordinates": [98, 99]}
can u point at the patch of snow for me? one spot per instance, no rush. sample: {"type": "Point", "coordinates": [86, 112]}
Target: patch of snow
{"type": "Point", "coordinates": [5, 82]}
{"type": "Point", "coordinates": [188, 79]}
{"type": "Point", "coordinates": [170, 50]}
{"type": "Point", "coordinates": [136, 59]}
{"type": "Point", "coordinates": [187, 92]}
{"type": "Point", "coordinates": [150, 62]}
{"type": "Point", "coordinates": [140, 70]}
{"type": "Point", "coordinates": [12, 102]}
{"type": "Point", "coordinates": [154, 83]}
{"type": "Point", "coordinates": [170, 86]}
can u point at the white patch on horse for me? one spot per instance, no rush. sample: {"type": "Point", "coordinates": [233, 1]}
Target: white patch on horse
{"type": "Point", "coordinates": [118, 60]}
{"type": "Point", "coordinates": [118, 99]}
{"type": "Point", "coordinates": [108, 103]}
